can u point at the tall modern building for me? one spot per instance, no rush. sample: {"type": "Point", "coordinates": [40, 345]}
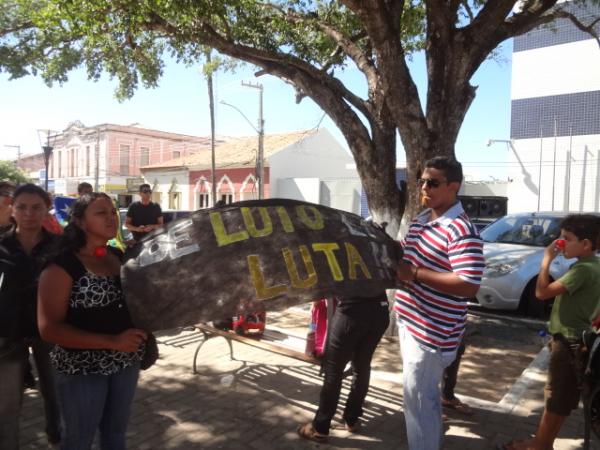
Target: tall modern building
{"type": "Point", "coordinates": [554, 160]}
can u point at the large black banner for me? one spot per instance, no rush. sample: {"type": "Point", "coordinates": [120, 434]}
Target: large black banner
{"type": "Point", "coordinates": [277, 252]}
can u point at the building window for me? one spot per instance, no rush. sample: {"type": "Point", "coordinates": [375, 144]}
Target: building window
{"type": "Point", "coordinates": [87, 160]}
{"type": "Point", "coordinates": [227, 198]}
{"type": "Point", "coordinates": [74, 155]}
{"type": "Point", "coordinates": [174, 200]}
{"type": "Point", "coordinates": [124, 160]}
{"type": "Point", "coordinates": [144, 156]}
{"type": "Point", "coordinates": [176, 154]}
{"type": "Point", "coordinates": [203, 200]}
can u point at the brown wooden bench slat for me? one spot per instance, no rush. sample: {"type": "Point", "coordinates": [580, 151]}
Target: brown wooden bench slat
{"type": "Point", "coordinates": [253, 340]}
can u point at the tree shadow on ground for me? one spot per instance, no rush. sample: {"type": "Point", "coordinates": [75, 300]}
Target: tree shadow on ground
{"type": "Point", "coordinates": [258, 400]}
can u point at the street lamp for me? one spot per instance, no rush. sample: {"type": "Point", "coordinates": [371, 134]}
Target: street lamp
{"type": "Point", "coordinates": [527, 175]}
{"type": "Point", "coordinates": [47, 149]}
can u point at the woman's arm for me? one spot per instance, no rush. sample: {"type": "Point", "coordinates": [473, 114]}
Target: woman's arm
{"type": "Point", "coordinates": [54, 291]}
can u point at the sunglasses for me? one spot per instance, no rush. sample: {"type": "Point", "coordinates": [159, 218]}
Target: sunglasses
{"type": "Point", "coordinates": [430, 182]}
{"type": "Point", "coordinates": [146, 191]}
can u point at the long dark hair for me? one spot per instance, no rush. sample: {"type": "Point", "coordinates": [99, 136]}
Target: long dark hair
{"type": "Point", "coordinates": [73, 237]}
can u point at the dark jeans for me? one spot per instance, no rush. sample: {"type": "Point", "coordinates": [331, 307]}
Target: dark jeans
{"type": "Point", "coordinates": [47, 379]}
{"type": "Point", "coordinates": [451, 374]}
{"type": "Point", "coordinates": [355, 331]}
{"type": "Point", "coordinates": [92, 402]}
{"type": "Point", "coordinates": [12, 366]}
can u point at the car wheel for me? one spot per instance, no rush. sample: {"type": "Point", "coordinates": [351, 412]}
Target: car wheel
{"type": "Point", "coordinates": [239, 330]}
{"type": "Point", "coordinates": [531, 306]}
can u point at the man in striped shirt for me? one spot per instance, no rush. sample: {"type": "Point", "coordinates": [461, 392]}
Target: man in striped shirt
{"type": "Point", "coordinates": [441, 269]}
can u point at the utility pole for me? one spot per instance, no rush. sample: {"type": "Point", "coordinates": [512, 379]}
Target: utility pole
{"type": "Point", "coordinates": [540, 174]}
{"type": "Point", "coordinates": [211, 106]}
{"type": "Point", "coordinates": [554, 163]}
{"type": "Point", "coordinates": [260, 171]}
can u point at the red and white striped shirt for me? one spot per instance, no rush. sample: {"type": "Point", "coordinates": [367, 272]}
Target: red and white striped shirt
{"type": "Point", "coordinates": [450, 243]}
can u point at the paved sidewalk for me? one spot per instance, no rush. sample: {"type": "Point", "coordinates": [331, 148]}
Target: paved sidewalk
{"type": "Point", "coordinates": [257, 401]}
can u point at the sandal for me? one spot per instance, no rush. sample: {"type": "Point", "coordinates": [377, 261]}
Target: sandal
{"type": "Point", "coordinates": [307, 431]}
{"type": "Point", "coordinates": [457, 406]}
{"type": "Point", "coordinates": [354, 428]}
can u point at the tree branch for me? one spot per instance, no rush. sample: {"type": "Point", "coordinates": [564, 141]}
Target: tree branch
{"type": "Point", "coordinates": [265, 59]}
{"type": "Point", "coordinates": [589, 29]}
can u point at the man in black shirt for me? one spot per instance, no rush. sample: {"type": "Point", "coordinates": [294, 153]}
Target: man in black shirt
{"type": "Point", "coordinates": [143, 216]}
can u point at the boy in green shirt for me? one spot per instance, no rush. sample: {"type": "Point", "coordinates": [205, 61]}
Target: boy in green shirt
{"type": "Point", "coordinates": [577, 295]}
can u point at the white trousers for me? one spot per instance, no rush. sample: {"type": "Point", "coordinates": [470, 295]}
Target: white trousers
{"type": "Point", "coordinates": [422, 369]}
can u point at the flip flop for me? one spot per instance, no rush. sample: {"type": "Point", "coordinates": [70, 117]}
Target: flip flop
{"type": "Point", "coordinates": [457, 406]}
{"type": "Point", "coordinates": [307, 431]}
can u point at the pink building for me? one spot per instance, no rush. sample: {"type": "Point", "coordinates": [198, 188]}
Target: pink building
{"type": "Point", "coordinates": [109, 156]}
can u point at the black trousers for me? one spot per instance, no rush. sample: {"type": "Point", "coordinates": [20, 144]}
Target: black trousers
{"type": "Point", "coordinates": [451, 373]}
{"type": "Point", "coordinates": [356, 329]}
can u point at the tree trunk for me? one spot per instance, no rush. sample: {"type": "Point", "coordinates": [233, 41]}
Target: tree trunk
{"type": "Point", "coordinates": [376, 166]}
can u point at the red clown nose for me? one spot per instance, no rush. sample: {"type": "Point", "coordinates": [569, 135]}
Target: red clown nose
{"type": "Point", "coordinates": [560, 243]}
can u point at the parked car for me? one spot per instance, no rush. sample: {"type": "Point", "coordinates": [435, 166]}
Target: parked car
{"type": "Point", "coordinates": [513, 248]}
{"type": "Point", "coordinates": [168, 215]}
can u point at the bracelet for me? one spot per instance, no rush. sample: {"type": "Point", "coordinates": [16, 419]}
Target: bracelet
{"type": "Point", "coordinates": [416, 273]}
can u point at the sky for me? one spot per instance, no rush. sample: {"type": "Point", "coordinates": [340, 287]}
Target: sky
{"type": "Point", "coordinates": [180, 105]}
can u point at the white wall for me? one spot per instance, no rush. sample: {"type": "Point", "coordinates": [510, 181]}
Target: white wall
{"type": "Point", "coordinates": [164, 180]}
{"type": "Point", "coordinates": [318, 156]}
{"type": "Point", "coordinates": [555, 70]}
{"type": "Point", "coordinates": [305, 189]}
{"type": "Point", "coordinates": [581, 193]}
{"type": "Point", "coordinates": [341, 194]}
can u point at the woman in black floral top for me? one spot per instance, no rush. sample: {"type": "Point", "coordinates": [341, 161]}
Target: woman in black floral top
{"type": "Point", "coordinates": [81, 308]}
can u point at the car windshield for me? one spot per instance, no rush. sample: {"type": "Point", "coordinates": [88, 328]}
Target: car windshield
{"type": "Point", "coordinates": [538, 231]}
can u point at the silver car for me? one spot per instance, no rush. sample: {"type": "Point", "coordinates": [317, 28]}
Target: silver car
{"type": "Point", "coordinates": [513, 248]}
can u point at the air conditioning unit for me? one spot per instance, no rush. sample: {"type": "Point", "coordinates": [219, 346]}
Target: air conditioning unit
{"type": "Point", "coordinates": [484, 207]}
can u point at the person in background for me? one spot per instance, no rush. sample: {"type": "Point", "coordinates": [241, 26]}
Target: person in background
{"type": "Point", "coordinates": [84, 188]}
{"type": "Point", "coordinates": [441, 269]}
{"type": "Point", "coordinates": [576, 304]}
{"type": "Point", "coordinates": [24, 249]}
{"type": "Point", "coordinates": [7, 189]}
{"type": "Point", "coordinates": [449, 399]}
{"type": "Point", "coordinates": [82, 309]}
{"type": "Point", "coordinates": [357, 326]}
{"type": "Point", "coordinates": [143, 216]}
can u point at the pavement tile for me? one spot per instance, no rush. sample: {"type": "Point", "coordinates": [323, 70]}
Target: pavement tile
{"type": "Point", "coordinates": [257, 401]}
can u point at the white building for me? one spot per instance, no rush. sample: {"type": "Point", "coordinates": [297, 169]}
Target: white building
{"type": "Point", "coordinates": [554, 161]}
{"type": "Point", "coordinates": [304, 165]}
